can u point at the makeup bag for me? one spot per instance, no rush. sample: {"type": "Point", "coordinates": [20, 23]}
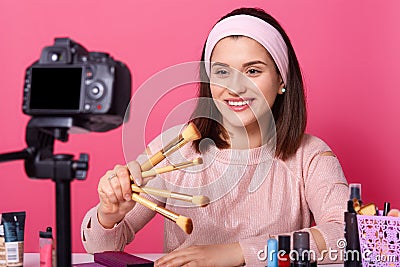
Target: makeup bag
{"type": "Point", "coordinates": [379, 240]}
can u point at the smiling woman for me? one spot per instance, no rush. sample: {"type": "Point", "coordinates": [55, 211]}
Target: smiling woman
{"type": "Point", "coordinates": [253, 142]}
{"type": "Point", "coordinates": [245, 81]}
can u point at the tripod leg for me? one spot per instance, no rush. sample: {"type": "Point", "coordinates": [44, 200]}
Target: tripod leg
{"type": "Point", "coordinates": [63, 217]}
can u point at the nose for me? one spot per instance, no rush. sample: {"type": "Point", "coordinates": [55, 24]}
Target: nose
{"type": "Point", "coordinates": [238, 83]}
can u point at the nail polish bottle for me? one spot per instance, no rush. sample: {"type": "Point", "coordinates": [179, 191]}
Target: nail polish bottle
{"type": "Point", "coordinates": [284, 251]}
{"type": "Point", "coordinates": [301, 247]}
{"type": "Point", "coordinates": [272, 259]}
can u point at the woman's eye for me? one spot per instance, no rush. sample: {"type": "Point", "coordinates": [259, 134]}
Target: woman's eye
{"type": "Point", "coordinates": [253, 71]}
{"type": "Point", "coordinates": [221, 73]}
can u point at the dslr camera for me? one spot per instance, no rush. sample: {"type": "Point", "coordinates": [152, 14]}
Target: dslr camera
{"type": "Point", "coordinates": [68, 81]}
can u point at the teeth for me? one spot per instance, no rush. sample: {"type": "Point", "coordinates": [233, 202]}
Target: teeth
{"type": "Point", "coordinates": [238, 103]}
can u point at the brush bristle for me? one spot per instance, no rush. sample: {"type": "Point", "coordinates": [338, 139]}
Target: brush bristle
{"type": "Point", "coordinates": [201, 201]}
{"type": "Point", "coordinates": [185, 224]}
{"type": "Point", "coordinates": [191, 133]}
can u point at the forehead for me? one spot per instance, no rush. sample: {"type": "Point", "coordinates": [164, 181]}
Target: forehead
{"type": "Point", "coordinates": [239, 47]}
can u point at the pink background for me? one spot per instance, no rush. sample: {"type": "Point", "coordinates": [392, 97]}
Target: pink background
{"type": "Point", "coordinates": [348, 50]}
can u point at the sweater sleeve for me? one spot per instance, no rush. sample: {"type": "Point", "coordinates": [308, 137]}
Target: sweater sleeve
{"type": "Point", "coordinates": [96, 238]}
{"type": "Point", "coordinates": [326, 192]}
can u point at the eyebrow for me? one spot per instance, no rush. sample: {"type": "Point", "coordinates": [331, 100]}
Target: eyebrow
{"type": "Point", "coordinates": [254, 62]}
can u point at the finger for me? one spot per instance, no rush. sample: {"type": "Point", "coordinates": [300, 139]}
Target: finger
{"type": "Point", "coordinates": [136, 172]}
{"type": "Point", "coordinates": [103, 197]}
{"type": "Point", "coordinates": [125, 182]}
{"type": "Point", "coordinates": [174, 262]}
{"type": "Point", "coordinates": [193, 264]}
{"type": "Point", "coordinates": [177, 258]}
{"type": "Point", "coordinates": [106, 192]}
{"type": "Point", "coordinates": [120, 177]}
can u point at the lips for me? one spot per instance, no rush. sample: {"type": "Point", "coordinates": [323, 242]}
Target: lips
{"type": "Point", "coordinates": [238, 104]}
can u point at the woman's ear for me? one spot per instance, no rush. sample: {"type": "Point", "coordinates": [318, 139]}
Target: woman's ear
{"type": "Point", "coordinates": [281, 89]}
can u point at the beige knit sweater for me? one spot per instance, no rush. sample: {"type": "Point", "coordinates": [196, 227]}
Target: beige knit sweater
{"type": "Point", "coordinates": [254, 196]}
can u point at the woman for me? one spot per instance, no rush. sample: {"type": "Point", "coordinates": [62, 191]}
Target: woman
{"type": "Point", "coordinates": [300, 183]}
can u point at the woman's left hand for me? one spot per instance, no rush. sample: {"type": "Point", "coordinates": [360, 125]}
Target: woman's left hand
{"type": "Point", "coordinates": [205, 255]}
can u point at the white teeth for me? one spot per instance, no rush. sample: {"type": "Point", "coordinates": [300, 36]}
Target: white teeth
{"type": "Point", "coordinates": [238, 103]}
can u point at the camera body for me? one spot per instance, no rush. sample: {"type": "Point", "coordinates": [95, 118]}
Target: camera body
{"type": "Point", "coordinates": [68, 81]}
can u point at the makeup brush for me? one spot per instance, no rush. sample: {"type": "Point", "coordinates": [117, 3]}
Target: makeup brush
{"type": "Point", "coordinates": [190, 133]}
{"type": "Point", "coordinates": [197, 200]}
{"type": "Point", "coordinates": [186, 164]}
{"type": "Point", "coordinates": [183, 222]}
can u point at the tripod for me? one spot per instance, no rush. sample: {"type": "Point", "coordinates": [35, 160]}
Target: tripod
{"type": "Point", "coordinates": [41, 163]}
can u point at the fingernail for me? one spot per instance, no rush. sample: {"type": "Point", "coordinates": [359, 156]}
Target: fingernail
{"type": "Point", "coordinates": [138, 182]}
{"type": "Point", "coordinates": [127, 197]}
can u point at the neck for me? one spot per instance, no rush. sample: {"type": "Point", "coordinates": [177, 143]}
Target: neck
{"type": "Point", "coordinates": [251, 136]}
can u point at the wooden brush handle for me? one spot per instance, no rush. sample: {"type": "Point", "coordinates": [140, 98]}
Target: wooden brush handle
{"type": "Point", "coordinates": [161, 193]}
{"type": "Point", "coordinates": [153, 161]}
{"type": "Point", "coordinates": [154, 172]}
{"type": "Point", "coordinates": [153, 206]}
{"type": "Point", "coordinates": [151, 191]}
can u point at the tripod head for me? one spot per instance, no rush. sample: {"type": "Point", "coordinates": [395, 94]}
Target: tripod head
{"type": "Point", "coordinates": [41, 133]}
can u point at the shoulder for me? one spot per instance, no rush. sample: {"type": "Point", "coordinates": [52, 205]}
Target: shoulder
{"type": "Point", "coordinates": [311, 146]}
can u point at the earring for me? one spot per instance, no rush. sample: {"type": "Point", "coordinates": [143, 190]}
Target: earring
{"type": "Point", "coordinates": [283, 90]}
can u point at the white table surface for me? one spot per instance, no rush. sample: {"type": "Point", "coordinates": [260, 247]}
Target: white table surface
{"type": "Point", "coordinates": [32, 259]}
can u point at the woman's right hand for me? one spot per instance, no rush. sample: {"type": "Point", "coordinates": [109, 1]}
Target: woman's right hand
{"type": "Point", "coordinates": [115, 193]}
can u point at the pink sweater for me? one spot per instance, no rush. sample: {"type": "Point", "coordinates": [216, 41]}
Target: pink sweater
{"type": "Point", "coordinates": [253, 197]}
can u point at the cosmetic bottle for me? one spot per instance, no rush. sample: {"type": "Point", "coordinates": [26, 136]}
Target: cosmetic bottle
{"type": "Point", "coordinates": [272, 259]}
{"type": "Point", "coordinates": [284, 251]}
{"type": "Point", "coordinates": [354, 193]}
{"type": "Point", "coordinates": [14, 229]}
{"type": "Point", "coordinates": [2, 247]}
{"type": "Point", "coordinates": [301, 248]}
{"type": "Point", "coordinates": [352, 251]}
{"type": "Point", "coordinates": [386, 209]}
{"type": "Point", "coordinates": [46, 247]}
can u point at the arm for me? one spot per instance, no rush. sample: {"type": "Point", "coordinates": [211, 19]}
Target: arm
{"type": "Point", "coordinates": [112, 224]}
{"type": "Point", "coordinates": [326, 193]}
{"type": "Point", "coordinates": [97, 238]}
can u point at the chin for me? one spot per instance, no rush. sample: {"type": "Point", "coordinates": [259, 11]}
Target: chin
{"type": "Point", "coordinates": [242, 122]}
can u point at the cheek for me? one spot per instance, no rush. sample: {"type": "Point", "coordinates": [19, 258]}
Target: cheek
{"type": "Point", "coordinates": [268, 91]}
{"type": "Point", "coordinates": [216, 91]}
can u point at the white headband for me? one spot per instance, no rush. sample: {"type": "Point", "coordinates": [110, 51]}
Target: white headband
{"type": "Point", "coordinates": [254, 28]}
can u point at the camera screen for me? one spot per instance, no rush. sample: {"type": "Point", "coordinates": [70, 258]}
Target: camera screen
{"type": "Point", "coordinates": [56, 88]}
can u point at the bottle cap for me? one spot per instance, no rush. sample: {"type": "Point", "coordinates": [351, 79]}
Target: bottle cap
{"type": "Point", "coordinates": [301, 240]}
{"type": "Point", "coordinates": [355, 191]}
{"type": "Point", "coordinates": [284, 243]}
{"type": "Point", "coordinates": [47, 234]}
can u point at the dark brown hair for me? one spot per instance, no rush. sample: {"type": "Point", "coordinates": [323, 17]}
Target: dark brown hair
{"type": "Point", "coordinates": [289, 109]}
